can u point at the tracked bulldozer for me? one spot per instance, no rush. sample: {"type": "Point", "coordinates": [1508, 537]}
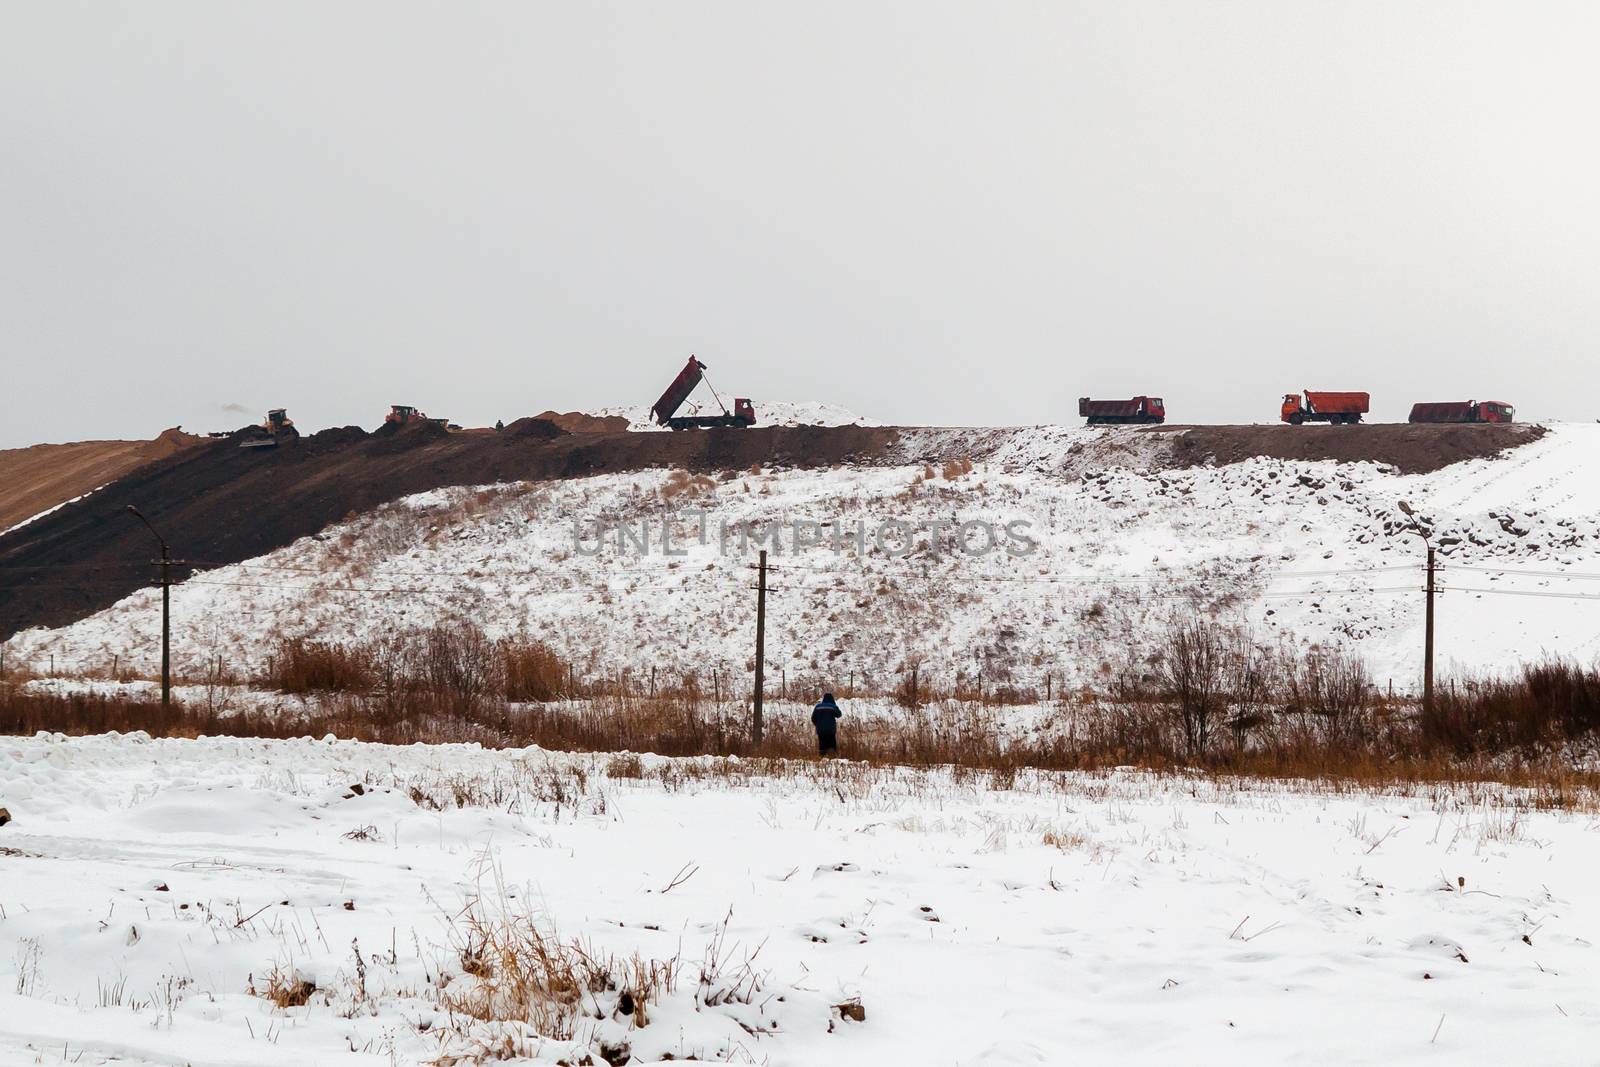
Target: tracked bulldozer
{"type": "Point", "coordinates": [276, 427]}
{"type": "Point", "coordinates": [403, 415]}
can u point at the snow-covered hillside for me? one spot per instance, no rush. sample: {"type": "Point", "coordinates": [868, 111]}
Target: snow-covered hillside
{"type": "Point", "coordinates": [1301, 552]}
{"type": "Point", "coordinates": [156, 896]}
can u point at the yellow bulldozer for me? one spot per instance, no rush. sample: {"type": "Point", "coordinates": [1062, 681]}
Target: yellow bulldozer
{"type": "Point", "coordinates": [277, 426]}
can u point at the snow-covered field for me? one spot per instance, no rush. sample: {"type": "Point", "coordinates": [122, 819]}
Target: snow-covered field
{"type": "Point", "coordinates": [146, 887]}
{"type": "Point", "coordinates": [1301, 552]}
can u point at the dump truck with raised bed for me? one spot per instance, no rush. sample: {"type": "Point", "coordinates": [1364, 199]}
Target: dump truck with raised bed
{"type": "Point", "coordinates": [1141, 410]}
{"type": "Point", "coordinates": [1464, 411]}
{"type": "Point", "coordinates": [1335, 408]}
{"type": "Point", "coordinates": [665, 409]}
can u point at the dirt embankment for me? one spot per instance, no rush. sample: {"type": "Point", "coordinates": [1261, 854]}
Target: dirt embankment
{"type": "Point", "coordinates": [1418, 449]}
{"type": "Point", "coordinates": [218, 503]}
{"type": "Point", "coordinates": [38, 478]}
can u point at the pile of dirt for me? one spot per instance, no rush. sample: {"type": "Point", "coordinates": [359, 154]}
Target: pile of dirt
{"type": "Point", "coordinates": [218, 503]}
{"type": "Point", "coordinates": [38, 478]}
{"type": "Point", "coordinates": [538, 427]}
{"type": "Point", "coordinates": [578, 422]}
{"type": "Point", "coordinates": [1412, 449]}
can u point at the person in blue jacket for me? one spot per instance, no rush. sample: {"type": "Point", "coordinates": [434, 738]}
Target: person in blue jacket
{"type": "Point", "coordinates": [825, 717]}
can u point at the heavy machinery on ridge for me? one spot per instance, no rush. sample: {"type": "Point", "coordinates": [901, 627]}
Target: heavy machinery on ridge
{"type": "Point", "coordinates": [278, 426]}
{"type": "Point", "coordinates": [1464, 411]}
{"type": "Point", "coordinates": [403, 415]}
{"type": "Point", "coordinates": [665, 409]}
{"type": "Point", "coordinates": [1141, 410]}
{"type": "Point", "coordinates": [1336, 408]}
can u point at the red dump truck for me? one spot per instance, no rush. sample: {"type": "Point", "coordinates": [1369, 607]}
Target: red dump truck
{"type": "Point", "coordinates": [1464, 411]}
{"type": "Point", "coordinates": [1140, 410]}
{"type": "Point", "coordinates": [665, 410]}
{"type": "Point", "coordinates": [1337, 408]}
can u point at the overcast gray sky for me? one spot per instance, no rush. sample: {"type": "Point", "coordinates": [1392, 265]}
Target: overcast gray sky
{"type": "Point", "coordinates": [928, 212]}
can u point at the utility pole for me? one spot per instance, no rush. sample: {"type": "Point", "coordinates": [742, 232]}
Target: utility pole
{"type": "Point", "coordinates": [1427, 643]}
{"type": "Point", "coordinates": [166, 610]}
{"type": "Point", "coordinates": [761, 642]}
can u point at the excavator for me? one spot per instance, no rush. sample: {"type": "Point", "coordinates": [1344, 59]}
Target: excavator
{"type": "Point", "coordinates": [665, 410]}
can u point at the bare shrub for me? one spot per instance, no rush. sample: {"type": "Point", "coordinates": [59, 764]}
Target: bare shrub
{"type": "Point", "coordinates": [1193, 671]}
{"type": "Point", "coordinates": [1552, 701]}
{"type": "Point", "coordinates": [908, 692]}
{"type": "Point", "coordinates": [533, 672]}
{"type": "Point", "coordinates": [1565, 693]}
{"type": "Point", "coordinates": [1329, 691]}
{"type": "Point", "coordinates": [391, 666]}
{"type": "Point", "coordinates": [461, 668]}
{"type": "Point", "coordinates": [304, 665]}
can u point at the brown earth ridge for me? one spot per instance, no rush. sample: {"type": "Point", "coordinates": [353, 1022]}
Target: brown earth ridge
{"type": "Point", "coordinates": [219, 504]}
{"type": "Point", "coordinates": [38, 478]}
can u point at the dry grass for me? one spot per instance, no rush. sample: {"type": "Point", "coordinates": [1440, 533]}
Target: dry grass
{"type": "Point", "coordinates": [681, 483]}
{"type": "Point", "coordinates": [1547, 704]}
{"type": "Point", "coordinates": [1211, 700]}
{"type": "Point", "coordinates": [284, 987]}
{"type": "Point", "coordinates": [1389, 748]}
{"type": "Point", "coordinates": [454, 665]}
{"type": "Point", "coordinates": [514, 969]}
{"type": "Point", "coordinates": [534, 673]}
{"type": "Point", "coordinates": [302, 665]}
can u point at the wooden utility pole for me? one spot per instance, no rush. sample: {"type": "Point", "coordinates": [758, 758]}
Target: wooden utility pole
{"type": "Point", "coordinates": [166, 626]}
{"type": "Point", "coordinates": [166, 563]}
{"type": "Point", "coordinates": [1427, 643]}
{"type": "Point", "coordinates": [761, 643]}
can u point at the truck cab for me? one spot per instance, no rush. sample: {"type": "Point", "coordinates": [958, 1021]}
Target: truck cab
{"type": "Point", "coordinates": [1291, 410]}
{"type": "Point", "coordinates": [1496, 411]}
{"type": "Point", "coordinates": [744, 411]}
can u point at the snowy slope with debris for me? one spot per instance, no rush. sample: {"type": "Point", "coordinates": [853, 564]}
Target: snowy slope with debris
{"type": "Point", "coordinates": [155, 895]}
{"type": "Point", "coordinates": [1301, 552]}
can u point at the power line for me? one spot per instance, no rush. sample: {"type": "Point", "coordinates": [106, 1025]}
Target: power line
{"type": "Point", "coordinates": [1521, 592]}
{"type": "Point", "coordinates": [1580, 576]}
